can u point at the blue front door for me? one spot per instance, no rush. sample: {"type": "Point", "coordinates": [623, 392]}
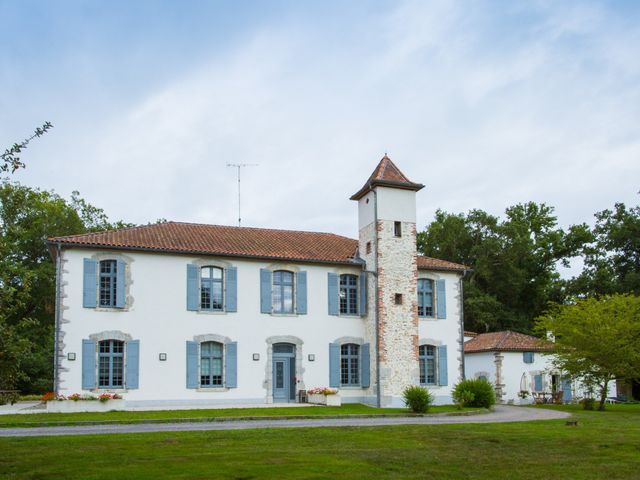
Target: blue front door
{"type": "Point", "coordinates": [566, 390]}
{"type": "Point", "coordinates": [281, 379]}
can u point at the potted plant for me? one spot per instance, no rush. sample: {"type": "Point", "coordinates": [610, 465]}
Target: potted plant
{"type": "Point", "coordinates": [324, 396]}
{"type": "Point", "coordinates": [83, 402]}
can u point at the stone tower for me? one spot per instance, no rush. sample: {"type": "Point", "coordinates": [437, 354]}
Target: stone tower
{"type": "Point", "coordinates": [387, 243]}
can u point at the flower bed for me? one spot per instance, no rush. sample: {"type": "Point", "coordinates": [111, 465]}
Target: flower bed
{"type": "Point", "coordinates": [324, 396]}
{"type": "Point", "coordinates": [83, 403]}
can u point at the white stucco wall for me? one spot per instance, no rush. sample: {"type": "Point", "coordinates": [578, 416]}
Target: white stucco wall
{"type": "Point", "coordinates": [445, 331]}
{"type": "Point", "coordinates": [513, 367]}
{"type": "Point", "coordinates": [157, 316]}
{"type": "Point", "coordinates": [159, 319]}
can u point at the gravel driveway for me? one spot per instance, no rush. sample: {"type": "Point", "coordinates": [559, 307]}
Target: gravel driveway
{"type": "Point", "coordinates": [501, 414]}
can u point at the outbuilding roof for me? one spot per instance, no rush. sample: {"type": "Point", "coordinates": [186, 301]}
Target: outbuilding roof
{"type": "Point", "coordinates": [506, 341]}
{"type": "Point", "coordinates": [221, 240]}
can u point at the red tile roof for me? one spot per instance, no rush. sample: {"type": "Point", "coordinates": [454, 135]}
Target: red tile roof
{"type": "Point", "coordinates": [193, 238]}
{"type": "Point", "coordinates": [506, 341]}
{"type": "Point", "coordinates": [429, 263]}
{"type": "Point", "coordinates": [387, 174]}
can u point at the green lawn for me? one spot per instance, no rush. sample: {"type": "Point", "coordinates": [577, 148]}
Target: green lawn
{"type": "Point", "coordinates": [46, 419]}
{"type": "Point", "coordinates": [605, 445]}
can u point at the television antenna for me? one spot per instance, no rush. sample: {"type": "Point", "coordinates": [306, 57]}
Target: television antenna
{"type": "Point", "coordinates": [239, 166]}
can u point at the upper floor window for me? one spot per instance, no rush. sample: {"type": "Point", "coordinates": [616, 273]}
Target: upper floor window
{"type": "Point", "coordinates": [108, 283]}
{"type": "Point", "coordinates": [211, 364]}
{"type": "Point", "coordinates": [282, 292]}
{"type": "Point", "coordinates": [350, 364]}
{"type": "Point", "coordinates": [111, 364]}
{"type": "Point", "coordinates": [103, 283]}
{"type": "Point", "coordinates": [427, 358]}
{"type": "Point", "coordinates": [425, 297]}
{"type": "Point", "coordinates": [349, 294]}
{"type": "Point", "coordinates": [211, 291]}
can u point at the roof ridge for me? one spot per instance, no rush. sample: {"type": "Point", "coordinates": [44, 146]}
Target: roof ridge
{"type": "Point", "coordinates": [260, 228]}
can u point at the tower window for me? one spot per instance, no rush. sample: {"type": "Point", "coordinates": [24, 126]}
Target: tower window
{"type": "Point", "coordinates": [398, 299]}
{"type": "Point", "coordinates": [397, 229]}
{"type": "Point", "coordinates": [368, 248]}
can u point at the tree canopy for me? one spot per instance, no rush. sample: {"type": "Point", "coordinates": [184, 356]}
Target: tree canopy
{"type": "Point", "coordinates": [596, 339]}
{"type": "Point", "coordinates": [27, 278]}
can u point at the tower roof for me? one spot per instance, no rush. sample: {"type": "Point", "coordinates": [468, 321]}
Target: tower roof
{"type": "Point", "coordinates": [387, 174]}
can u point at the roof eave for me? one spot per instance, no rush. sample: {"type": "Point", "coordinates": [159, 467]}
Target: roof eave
{"type": "Point", "coordinates": [201, 253]}
{"type": "Point", "coordinates": [385, 183]}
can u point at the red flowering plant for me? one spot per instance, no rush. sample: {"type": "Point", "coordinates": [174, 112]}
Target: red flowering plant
{"type": "Point", "coordinates": [48, 397]}
{"type": "Point", "coordinates": [322, 391]}
{"type": "Point", "coordinates": [103, 397]}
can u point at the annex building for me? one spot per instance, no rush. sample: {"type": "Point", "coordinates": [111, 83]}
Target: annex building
{"type": "Point", "coordinates": [191, 314]}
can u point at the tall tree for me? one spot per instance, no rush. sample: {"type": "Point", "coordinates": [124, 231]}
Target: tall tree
{"type": "Point", "coordinates": [612, 257]}
{"type": "Point", "coordinates": [596, 339]}
{"type": "Point", "coordinates": [27, 277]}
{"type": "Point", "coordinates": [514, 261]}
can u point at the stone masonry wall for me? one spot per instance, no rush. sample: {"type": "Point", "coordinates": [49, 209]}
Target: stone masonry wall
{"type": "Point", "coordinates": [398, 324]}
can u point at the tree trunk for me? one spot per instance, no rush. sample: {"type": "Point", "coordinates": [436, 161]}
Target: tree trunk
{"type": "Point", "coordinates": [604, 388]}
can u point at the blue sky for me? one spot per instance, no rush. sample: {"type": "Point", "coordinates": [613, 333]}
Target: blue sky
{"type": "Point", "coordinates": [487, 103]}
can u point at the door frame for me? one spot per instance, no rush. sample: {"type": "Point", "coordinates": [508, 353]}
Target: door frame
{"type": "Point", "coordinates": [297, 362]}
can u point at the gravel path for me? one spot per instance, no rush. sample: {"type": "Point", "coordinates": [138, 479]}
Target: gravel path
{"type": "Point", "coordinates": [501, 414]}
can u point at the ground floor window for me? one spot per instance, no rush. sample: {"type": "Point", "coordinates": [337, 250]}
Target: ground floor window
{"type": "Point", "coordinates": [350, 364]}
{"type": "Point", "coordinates": [111, 364]}
{"type": "Point", "coordinates": [211, 364]}
{"type": "Point", "coordinates": [427, 359]}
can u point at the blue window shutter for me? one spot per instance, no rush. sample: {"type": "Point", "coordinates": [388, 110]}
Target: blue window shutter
{"type": "Point", "coordinates": [301, 293]}
{"type": "Point", "coordinates": [88, 364]}
{"type": "Point", "coordinates": [363, 294]}
{"type": "Point", "coordinates": [231, 365]}
{"type": "Point", "coordinates": [334, 365]}
{"type": "Point", "coordinates": [527, 357]}
{"type": "Point", "coordinates": [90, 283]}
{"type": "Point", "coordinates": [231, 292]}
{"type": "Point", "coordinates": [443, 378]}
{"type": "Point", "coordinates": [120, 283]}
{"type": "Point", "coordinates": [193, 292]}
{"type": "Point", "coordinates": [441, 294]}
{"type": "Point", "coordinates": [192, 365]}
{"type": "Point", "coordinates": [334, 294]}
{"type": "Point", "coordinates": [537, 381]}
{"type": "Point", "coordinates": [133, 363]}
{"type": "Point", "coordinates": [365, 366]}
{"type": "Point", "coordinates": [265, 291]}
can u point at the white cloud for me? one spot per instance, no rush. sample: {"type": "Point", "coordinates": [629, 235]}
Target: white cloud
{"type": "Point", "coordinates": [486, 107]}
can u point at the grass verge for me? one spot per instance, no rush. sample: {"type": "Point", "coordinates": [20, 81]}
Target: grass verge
{"type": "Point", "coordinates": [210, 415]}
{"type": "Point", "coordinates": [603, 445]}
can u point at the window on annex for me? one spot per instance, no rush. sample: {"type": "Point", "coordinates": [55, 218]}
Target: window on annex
{"type": "Point", "coordinates": [111, 364]}
{"type": "Point", "coordinates": [425, 297]}
{"type": "Point", "coordinates": [350, 364]}
{"type": "Point", "coordinates": [427, 359]}
{"type": "Point", "coordinates": [211, 291]}
{"type": "Point", "coordinates": [108, 283]}
{"type": "Point", "coordinates": [211, 364]}
{"type": "Point", "coordinates": [282, 292]}
{"type": "Point", "coordinates": [348, 294]}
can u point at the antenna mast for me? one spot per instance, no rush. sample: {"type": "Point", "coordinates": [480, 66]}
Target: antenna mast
{"type": "Point", "coordinates": [239, 166]}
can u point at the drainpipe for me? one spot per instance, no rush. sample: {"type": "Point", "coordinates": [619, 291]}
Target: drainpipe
{"type": "Point", "coordinates": [56, 339]}
{"type": "Point", "coordinates": [462, 322]}
{"type": "Point", "coordinates": [375, 238]}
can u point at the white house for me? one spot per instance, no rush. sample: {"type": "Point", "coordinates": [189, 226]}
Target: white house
{"type": "Point", "coordinates": [515, 362]}
{"type": "Point", "coordinates": [189, 314]}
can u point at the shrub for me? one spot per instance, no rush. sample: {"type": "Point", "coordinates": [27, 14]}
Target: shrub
{"type": "Point", "coordinates": [474, 393]}
{"type": "Point", "coordinates": [588, 403]}
{"type": "Point", "coordinates": [418, 399]}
